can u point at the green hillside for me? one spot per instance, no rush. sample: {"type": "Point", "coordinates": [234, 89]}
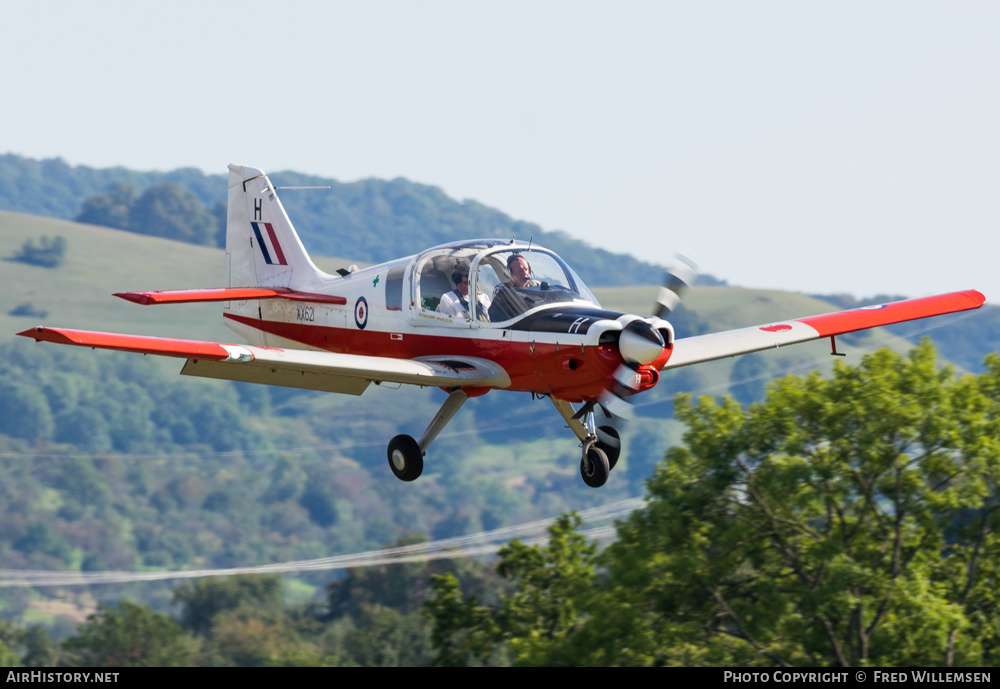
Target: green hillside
{"type": "Point", "coordinates": [371, 220]}
{"type": "Point", "coordinates": [101, 261]}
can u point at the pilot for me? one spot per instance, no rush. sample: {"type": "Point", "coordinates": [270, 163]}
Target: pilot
{"type": "Point", "coordinates": [520, 274]}
{"type": "Point", "coordinates": [507, 303]}
{"type": "Point", "coordinates": [456, 303]}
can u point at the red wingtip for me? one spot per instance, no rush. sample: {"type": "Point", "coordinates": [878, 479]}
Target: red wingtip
{"type": "Point", "coordinates": [42, 334]}
{"type": "Point", "coordinates": [142, 344]}
{"type": "Point", "coordinates": [136, 297]}
{"type": "Point", "coordinates": [978, 297]}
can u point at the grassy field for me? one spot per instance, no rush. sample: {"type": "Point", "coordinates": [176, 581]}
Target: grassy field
{"type": "Point", "coordinates": [101, 261]}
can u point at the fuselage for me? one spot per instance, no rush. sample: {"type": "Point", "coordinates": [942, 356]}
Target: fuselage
{"type": "Point", "coordinates": [550, 335]}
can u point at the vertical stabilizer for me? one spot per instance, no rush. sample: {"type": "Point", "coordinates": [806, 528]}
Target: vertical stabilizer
{"type": "Point", "coordinates": [262, 247]}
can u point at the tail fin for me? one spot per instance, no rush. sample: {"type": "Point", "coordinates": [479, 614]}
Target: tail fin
{"type": "Point", "coordinates": [262, 247]}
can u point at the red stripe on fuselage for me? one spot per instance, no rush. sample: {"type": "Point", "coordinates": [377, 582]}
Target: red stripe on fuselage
{"type": "Point", "coordinates": [533, 367]}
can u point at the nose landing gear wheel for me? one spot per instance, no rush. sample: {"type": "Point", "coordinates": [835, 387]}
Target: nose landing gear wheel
{"type": "Point", "coordinates": [594, 467]}
{"type": "Point", "coordinates": [405, 458]}
{"type": "Point", "coordinates": [611, 443]}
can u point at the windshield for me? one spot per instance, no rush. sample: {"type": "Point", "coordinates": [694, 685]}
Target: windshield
{"type": "Point", "coordinates": [519, 279]}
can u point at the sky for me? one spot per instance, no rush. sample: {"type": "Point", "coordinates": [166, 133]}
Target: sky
{"type": "Point", "coordinates": [823, 147]}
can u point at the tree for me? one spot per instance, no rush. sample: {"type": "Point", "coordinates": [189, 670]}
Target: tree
{"type": "Point", "coordinates": [535, 623]}
{"type": "Point", "coordinates": [127, 635]}
{"type": "Point", "coordinates": [172, 211]}
{"type": "Point", "coordinates": [40, 537]}
{"type": "Point", "coordinates": [247, 637]}
{"type": "Point", "coordinates": [746, 380]}
{"type": "Point", "coordinates": [404, 586]}
{"type": "Point", "coordinates": [843, 522]}
{"type": "Point", "coordinates": [383, 637]}
{"type": "Point", "coordinates": [202, 600]}
{"type": "Point", "coordinates": [48, 253]}
{"type": "Point", "coordinates": [31, 647]}
{"type": "Point", "coordinates": [24, 411]}
{"type": "Point", "coordinates": [111, 209]}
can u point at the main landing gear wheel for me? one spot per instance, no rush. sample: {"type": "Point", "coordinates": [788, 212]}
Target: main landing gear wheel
{"type": "Point", "coordinates": [594, 467]}
{"type": "Point", "coordinates": [611, 443]}
{"type": "Point", "coordinates": [405, 458]}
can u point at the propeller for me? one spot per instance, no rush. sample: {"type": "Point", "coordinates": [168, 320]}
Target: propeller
{"type": "Point", "coordinates": [677, 280]}
{"type": "Point", "coordinates": [640, 343]}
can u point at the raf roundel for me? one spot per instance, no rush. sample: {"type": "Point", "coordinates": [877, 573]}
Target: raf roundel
{"type": "Point", "coordinates": [361, 313]}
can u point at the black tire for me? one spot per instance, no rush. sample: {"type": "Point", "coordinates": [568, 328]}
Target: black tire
{"type": "Point", "coordinates": [594, 467]}
{"type": "Point", "coordinates": [405, 458]}
{"type": "Point", "coordinates": [612, 446]}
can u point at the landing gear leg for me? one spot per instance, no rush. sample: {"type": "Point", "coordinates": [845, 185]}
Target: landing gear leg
{"type": "Point", "coordinates": [601, 446]}
{"type": "Point", "coordinates": [406, 455]}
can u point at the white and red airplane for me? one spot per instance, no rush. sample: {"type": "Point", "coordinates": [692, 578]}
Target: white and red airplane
{"type": "Point", "coordinates": [534, 327]}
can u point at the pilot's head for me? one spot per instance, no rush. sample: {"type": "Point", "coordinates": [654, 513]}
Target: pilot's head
{"type": "Point", "coordinates": [460, 278]}
{"type": "Point", "coordinates": [519, 270]}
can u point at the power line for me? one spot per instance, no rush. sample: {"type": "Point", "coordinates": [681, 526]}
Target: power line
{"type": "Point", "coordinates": [475, 545]}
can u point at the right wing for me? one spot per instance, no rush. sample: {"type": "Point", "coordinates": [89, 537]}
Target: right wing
{"type": "Point", "coordinates": [695, 350]}
{"type": "Point", "coordinates": [297, 368]}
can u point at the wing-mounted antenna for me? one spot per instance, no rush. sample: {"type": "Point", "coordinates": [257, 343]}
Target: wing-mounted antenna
{"type": "Point", "coordinates": [326, 187]}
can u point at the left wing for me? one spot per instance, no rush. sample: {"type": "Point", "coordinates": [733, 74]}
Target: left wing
{"type": "Point", "coordinates": [694, 350]}
{"type": "Point", "coordinates": [297, 368]}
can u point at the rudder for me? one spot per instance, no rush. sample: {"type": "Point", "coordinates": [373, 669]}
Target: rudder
{"type": "Point", "coordinates": [262, 247]}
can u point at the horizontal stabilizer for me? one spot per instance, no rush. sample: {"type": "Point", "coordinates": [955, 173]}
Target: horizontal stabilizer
{"type": "Point", "coordinates": [186, 296]}
{"type": "Point", "coordinates": [694, 350]}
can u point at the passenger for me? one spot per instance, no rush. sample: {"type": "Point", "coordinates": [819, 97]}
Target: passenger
{"type": "Point", "coordinates": [456, 303]}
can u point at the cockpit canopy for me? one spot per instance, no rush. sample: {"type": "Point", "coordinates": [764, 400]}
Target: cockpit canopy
{"type": "Point", "coordinates": [509, 279]}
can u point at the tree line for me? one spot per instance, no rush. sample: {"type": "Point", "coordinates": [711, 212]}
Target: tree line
{"type": "Point", "coordinates": [370, 617]}
{"type": "Point", "coordinates": [369, 220]}
{"type": "Point", "coordinates": [168, 210]}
